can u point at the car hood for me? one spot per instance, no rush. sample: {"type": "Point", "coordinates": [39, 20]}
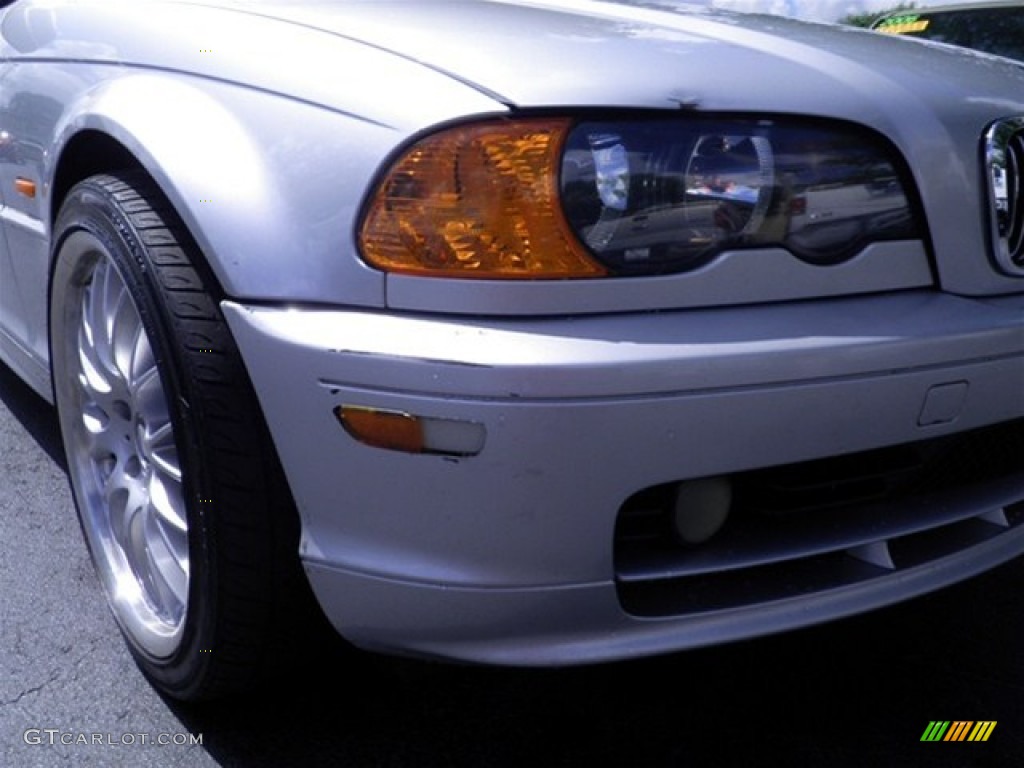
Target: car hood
{"type": "Point", "coordinates": [660, 53]}
{"type": "Point", "coordinates": [525, 53]}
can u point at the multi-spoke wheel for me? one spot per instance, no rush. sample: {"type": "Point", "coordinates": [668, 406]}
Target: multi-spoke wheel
{"type": "Point", "coordinates": [126, 459]}
{"type": "Point", "coordinates": [178, 492]}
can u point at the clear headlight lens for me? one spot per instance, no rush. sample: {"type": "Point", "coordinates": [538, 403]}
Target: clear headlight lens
{"type": "Point", "coordinates": [550, 198]}
{"type": "Point", "coordinates": [669, 195]}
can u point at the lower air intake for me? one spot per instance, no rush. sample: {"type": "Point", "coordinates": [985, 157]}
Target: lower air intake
{"type": "Point", "coordinates": [824, 525]}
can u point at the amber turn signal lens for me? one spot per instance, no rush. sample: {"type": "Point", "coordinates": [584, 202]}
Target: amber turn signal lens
{"type": "Point", "coordinates": [409, 433]}
{"type": "Point", "coordinates": [25, 187]}
{"type": "Point", "coordinates": [392, 430]}
{"type": "Point", "coordinates": [477, 201]}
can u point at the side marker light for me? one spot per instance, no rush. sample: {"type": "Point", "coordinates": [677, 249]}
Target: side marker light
{"type": "Point", "coordinates": [408, 433]}
{"type": "Point", "coordinates": [25, 187]}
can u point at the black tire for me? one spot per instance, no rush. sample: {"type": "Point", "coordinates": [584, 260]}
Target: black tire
{"type": "Point", "coordinates": [147, 377]}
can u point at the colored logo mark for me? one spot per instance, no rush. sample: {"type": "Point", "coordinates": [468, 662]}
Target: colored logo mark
{"type": "Point", "coordinates": [959, 730]}
{"type": "Point", "coordinates": [902, 25]}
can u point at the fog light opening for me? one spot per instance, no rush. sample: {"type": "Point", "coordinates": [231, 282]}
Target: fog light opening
{"type": "Point", "coordinates": [701, 508]}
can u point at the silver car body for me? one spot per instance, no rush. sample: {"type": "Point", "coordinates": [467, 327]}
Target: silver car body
{"type": "Point", "coordinates": [556, 402]}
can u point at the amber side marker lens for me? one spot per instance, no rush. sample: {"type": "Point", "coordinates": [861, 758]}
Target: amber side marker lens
{"type": "Point", "coordinates": [391, 430]}
{"type": "Point", "coordinates": [477, 201]}
{"type": "Point", "coordinates": [410, 433]}
{"type": "Point", "coordinates": [25, 187]}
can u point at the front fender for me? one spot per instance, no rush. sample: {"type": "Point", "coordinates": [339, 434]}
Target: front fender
{"type": "Point", "coordinates": [268, 186]}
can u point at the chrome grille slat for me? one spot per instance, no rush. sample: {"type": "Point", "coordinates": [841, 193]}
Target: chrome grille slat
{"type": "Point", "coordinates": [1004, 164]}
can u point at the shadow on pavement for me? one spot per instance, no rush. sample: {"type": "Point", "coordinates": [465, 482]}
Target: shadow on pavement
{"type": "Point", "coordinates": [31, 411]}
{"type": "Point", "coordinates": [856, 692]}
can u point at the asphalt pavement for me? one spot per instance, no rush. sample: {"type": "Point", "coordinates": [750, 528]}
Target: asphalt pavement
{"type": "Point", "coordinates": [860, 692]}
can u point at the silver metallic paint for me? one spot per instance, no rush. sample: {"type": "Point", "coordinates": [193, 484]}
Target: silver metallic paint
{"type": "Point", "coordinates": [265, 123]}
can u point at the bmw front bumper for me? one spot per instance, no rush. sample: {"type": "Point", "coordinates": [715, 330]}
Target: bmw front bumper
{"type": "Point", "coordinates": [505, 543]}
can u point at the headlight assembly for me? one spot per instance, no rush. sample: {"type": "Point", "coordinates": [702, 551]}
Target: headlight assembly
{"type": "Point", "coordinates": [553, 198]}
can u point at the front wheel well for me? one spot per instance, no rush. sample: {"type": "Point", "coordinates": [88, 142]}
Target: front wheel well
{"type": "Point", "coordinates": [92, 153]}
{"type": "Point", "coordinates": [89, 153]}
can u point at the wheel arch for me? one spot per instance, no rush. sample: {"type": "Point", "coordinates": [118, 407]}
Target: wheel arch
{"type": "Point", "coordinates": [92, 152]}
{"type": "Point", "coordinates": [87, 153]}
{"type": "Point", "coordinates": [123, 125]}
{"type": "Point", "coordinates": [199, 153]}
